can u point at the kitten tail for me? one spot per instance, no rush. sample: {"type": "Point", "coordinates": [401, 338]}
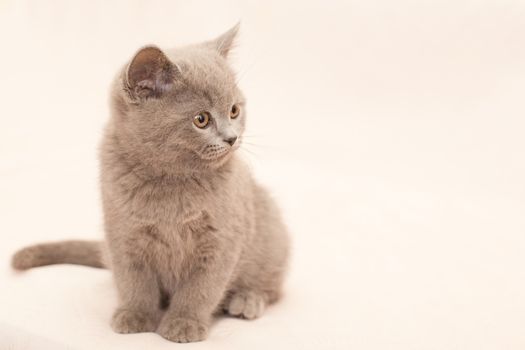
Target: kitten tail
{"type": "Point", "coordinates": [88, 253]}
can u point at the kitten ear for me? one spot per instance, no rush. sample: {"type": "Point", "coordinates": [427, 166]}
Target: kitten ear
{"type": "Point", "coordinates": [224, 43]}
{"type": "Point", "coordinates": [150, 73]}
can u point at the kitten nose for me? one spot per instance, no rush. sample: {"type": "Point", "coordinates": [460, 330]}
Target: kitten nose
{"type": "Point", "coordinates": [231, 140]}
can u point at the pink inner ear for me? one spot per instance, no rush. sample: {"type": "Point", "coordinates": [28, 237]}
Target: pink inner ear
{"type": "Point", "coordinates": [150, 73]}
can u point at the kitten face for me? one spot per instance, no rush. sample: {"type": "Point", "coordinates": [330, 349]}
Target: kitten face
{"type": "Point", "coordinates": [181, 109]}
{"type": "Point", "coordinates": [207, 110]}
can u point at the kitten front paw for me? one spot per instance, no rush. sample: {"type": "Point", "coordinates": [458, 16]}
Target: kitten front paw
{"type": "Point", "coordinates": [182, 330]}
{"type": "Point", "coordinates": [246, 304]}
{"type": "Point", "coordinates": [133, 321]}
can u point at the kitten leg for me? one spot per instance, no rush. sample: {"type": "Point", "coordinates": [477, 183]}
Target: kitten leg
{"type": "Point", "coordinates": [192, 306]}
{"type": "Point", "coordinates": [137, 285]}
{"type": "Point", "coordinates": [248, 304]}
{"type": "Point", "coordinates": [253, 291]}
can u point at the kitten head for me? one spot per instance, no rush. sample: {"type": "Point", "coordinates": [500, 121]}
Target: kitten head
{"type": "Point", "coordinates": [180, 110]}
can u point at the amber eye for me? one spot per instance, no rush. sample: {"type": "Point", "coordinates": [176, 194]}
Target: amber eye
{"type": "Point", "coordinates": [201, 120]}
{"type": "Point", "coordinates": [236, 110]}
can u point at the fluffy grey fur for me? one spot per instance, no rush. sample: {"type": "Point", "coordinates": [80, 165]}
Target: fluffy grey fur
{"type": "Point", "coordinates": [188, 230]}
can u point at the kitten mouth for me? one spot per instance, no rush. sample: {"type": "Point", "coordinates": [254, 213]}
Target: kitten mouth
{"type": "Point", "coordinates": [215, 152]}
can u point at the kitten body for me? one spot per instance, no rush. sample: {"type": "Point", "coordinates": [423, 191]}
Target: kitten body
{"type": "Point", "coordinates": [188, 230]}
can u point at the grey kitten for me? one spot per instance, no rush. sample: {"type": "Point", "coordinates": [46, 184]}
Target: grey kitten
{"type": "Point", "coordinates": [188, 230]}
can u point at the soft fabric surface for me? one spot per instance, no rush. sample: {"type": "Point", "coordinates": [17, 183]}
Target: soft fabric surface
{"type": "Point", "coordinates": [391, 133]}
